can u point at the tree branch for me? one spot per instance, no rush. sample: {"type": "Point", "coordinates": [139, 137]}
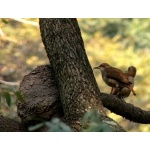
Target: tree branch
{"type": "Point", "coordinates": [9, 83]}
{"type": "Point", "coordinates": [26, 22]}
{"type": "Point", "coordinates": [46, 104]}
{"type": "Point", "coordinates": [124, 109]}
{"type": "Point", "coordinates": [9, 125]}
{"type": "Point", "coordinates": [1, 32]}
{"type": "Point", "coordinates": [46, 76]}
{"type": "Point", "coordinates": [65, 49]}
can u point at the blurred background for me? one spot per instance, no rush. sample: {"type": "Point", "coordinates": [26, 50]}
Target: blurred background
{"type": "Point", "coordinates": [119, 42]}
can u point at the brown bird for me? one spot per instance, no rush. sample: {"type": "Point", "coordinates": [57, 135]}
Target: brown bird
{"type": "Point", "coordinates": [114, 77]}
{"type": "Point", "coordinates": [125, 92]}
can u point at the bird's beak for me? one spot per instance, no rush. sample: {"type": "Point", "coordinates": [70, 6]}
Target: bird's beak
{"type": "Point", "coordinates": [96, 68]}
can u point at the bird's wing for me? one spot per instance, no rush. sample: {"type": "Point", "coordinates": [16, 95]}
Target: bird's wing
{"type": "Point", "coordinates": [117, 75]}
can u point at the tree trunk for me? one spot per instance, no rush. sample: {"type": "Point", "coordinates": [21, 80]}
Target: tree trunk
{"type": "Point", "coordinates": [78, 89]}
{"type": "Point", "coordinates": [8, 125]}
{"type": "Point", "coordinates": [66, 88]}
{"type": "Point", "coordinates": [42, 106]}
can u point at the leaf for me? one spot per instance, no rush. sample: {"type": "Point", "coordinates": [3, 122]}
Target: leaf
{"type": "Point", "coordinates": [0, 102]}
{"type": "Point", "coordinates": [55, 121]}
{"type": "Point", "coordinates": [95, 125]}
{"type": "Point", "coordinates": [98, 127]}
{"type": "Point", "coordinates": [95, 116]}
{"type": "Point", "coordinates": [105, 128]}
{"type": "Point", "coordinates": [35, 127]}
{"type": "Point", "coordinates": [58, 126]}
{"type": "Point", "coordinates": [5, 21]}
{"type": "Point", "coordinates": [93, 128]}
{"type": "Point", "coordinates": [86, 117]}
{"type": "Point", "coordinates": [65, 128]}
{"type": "Point", "coordinates": [8, 98]}
{"type": "Point", "coordinates": [92, 116]}
{"type": "Point", "coordinates": [19, 96]}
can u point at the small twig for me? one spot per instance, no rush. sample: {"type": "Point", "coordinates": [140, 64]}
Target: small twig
{"type": "Point", "coordinates": [27, 21]}
{"type": "Point", "coordinates": [9, 83]}
{"type": "Point", "coordinates": [1, 32]}
{"type": "Point", "coordinates": [4, 37]}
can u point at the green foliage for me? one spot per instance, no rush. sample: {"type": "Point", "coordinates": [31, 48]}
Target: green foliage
{"type": "Point", "coordinates": [95, 127]}
{"type": "Point", "coordinates": [0, 102]}
{"type": "Point", "coordinates": [19, 96]}
{"type": "Point", "coordinates": [119, 41]}
{"type": "Point", "coordinates": [92, 116]}
{"type": "Point", "coordinates": [95, 124]}
{"type": "Point", "coordinates": [5, 95]}
{"type": "Point", "coordinates": [5, 21]}
{"type": "Point", "coordinates": [36, 127]}
{"type": "Point", "coordinates": [130, 31]}
{"type": "Point", "coordinates": [21, 50]}
{"type": "Point", "coordinates": [8, 98]}
{"type": "Point", "coordinates": [58, 126]}
{"type": "Point", "coordinates": [121, 51]}
{"type": "Point", "coordinates": [55, 125]}
{"type": "Point", "coordinates": [9, 95]}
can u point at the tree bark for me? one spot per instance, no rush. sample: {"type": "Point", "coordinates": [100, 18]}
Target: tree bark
{"type": "Point", "coordinates": [66, 88]}
{"type": "Point", "coordinates": [36, 106]}
{"type": "Point", "coordinates": [40, 94]}
{"type": "Point", "coordinates": [42, 106]}
{"type": "Point", "coordinates": [78, 89]}
{"type": "Point", "coordinates": [9, 125]}
{"type": "Point", "coordinates": [125, 110]}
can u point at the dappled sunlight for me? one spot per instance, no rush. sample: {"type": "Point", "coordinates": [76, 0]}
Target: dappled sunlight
{"type": "Point", "coordinates": [119, 42]}
{"type": "Point", "coordinates": [21, 50]}
{"type": "Point", "coordinates": [34, 60]}
{"type": "Point", "coordinates": [103, 49]}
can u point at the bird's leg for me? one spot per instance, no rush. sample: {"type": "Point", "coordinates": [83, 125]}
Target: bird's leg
{"type": "Point", "coordinates": [131, 89]}
{"type": "Point", "coordinates": [111, 92]}
{"type": "Point", "coordinates": [115, 91]}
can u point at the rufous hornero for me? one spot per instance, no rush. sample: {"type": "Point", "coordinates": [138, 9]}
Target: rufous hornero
{"type": "Point", "coordinates": [125, 92]}
{"type": "Point", "coordinates": [114, 77]}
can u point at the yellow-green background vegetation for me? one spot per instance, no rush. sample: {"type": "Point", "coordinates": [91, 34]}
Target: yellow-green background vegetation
{"type": "Point", "coordinates": [119, 42]}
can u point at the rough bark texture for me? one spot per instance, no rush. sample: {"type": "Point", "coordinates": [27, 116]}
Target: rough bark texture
{"type": "Point", "coordinates": [66, 88]}
{"type": "Point", "coordinates": [41, 97]}
{"type": "Point", "coordinates": [9, 125]}
{"type": "Point", "coordinates": [65, 49]}
{"type": "Point", "coordinates": [111, 102]}
{"type": "Point", "coordinates": [44, 107]}
{"type": "Point", "coordinates": [124, 109]}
